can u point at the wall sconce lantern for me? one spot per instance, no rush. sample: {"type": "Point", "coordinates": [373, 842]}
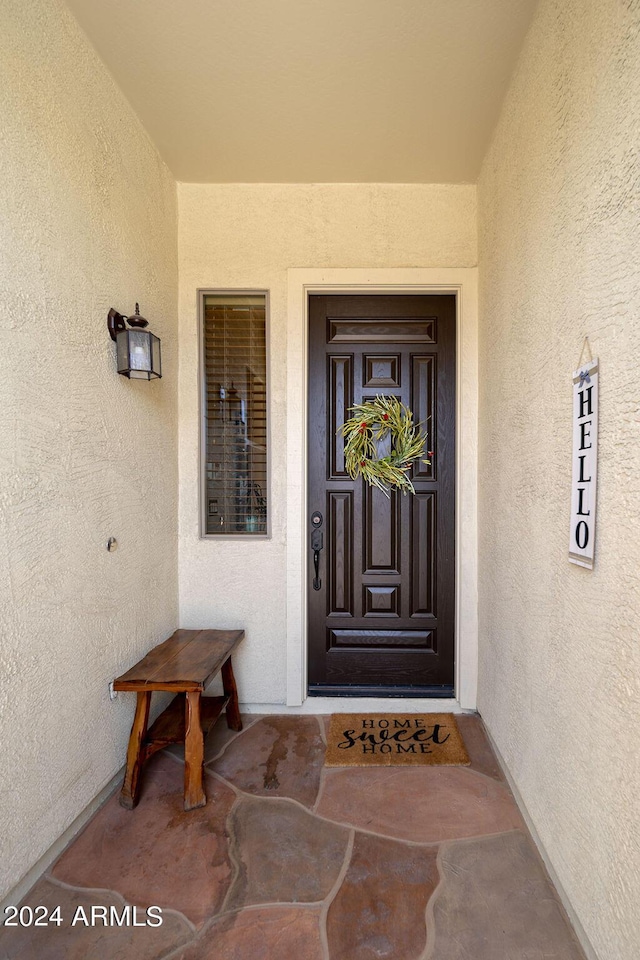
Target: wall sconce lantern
{"type": "Point", "coordinates": [137, 350]}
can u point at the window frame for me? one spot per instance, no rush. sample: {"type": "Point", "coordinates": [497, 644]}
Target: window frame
{"type": "Point", "coordinates": [203, 292]}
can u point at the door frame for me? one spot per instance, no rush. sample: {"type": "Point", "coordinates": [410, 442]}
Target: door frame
{"type": "Point", "coordinates": [463, 282]}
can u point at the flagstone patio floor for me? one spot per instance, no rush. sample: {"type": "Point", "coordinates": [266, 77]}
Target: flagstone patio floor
{"type": "Point", "coordinates": [291, 860]}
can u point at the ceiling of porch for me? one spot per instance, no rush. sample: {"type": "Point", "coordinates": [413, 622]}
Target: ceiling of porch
{"type": "Point", "coordinates": [398, 91]}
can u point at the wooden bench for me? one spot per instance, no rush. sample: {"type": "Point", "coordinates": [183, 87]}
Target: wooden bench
{"type": "Point", "coordinates": [184, 664]}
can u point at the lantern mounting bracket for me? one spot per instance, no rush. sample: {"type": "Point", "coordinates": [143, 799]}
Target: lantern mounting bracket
{"type": "Point", "coordinates": [116, 322]}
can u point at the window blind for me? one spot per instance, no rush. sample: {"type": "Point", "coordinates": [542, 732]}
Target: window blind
{"type": "Point", "coordinates": [235, 356]}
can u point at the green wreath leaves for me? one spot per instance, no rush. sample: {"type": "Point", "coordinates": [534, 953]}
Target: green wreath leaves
{"type": "Point", "coordinates": [374, 421]}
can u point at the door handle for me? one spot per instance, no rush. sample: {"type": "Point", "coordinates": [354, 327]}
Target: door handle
{"type": "Point", "coordinates": [317, 542]}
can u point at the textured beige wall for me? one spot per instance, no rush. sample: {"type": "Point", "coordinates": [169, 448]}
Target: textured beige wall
{"type": "Point", "coordinates": [247, 236]}
{"type": "Point", "coordinates": [559, 215]}
{"type": "Point", "coordinates": [87, 220]}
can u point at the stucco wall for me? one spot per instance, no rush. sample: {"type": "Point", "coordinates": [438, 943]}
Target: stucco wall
{"type": "Point", "coordinates": [247, 236]}
{"type": "Point", "coordinates": [559, 216]}
{"type": "Point", "coordinates": [87, 221]}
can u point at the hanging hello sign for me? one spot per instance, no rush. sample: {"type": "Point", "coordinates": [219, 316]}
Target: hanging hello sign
{"type": "Point", "coordinates": [585, 462]}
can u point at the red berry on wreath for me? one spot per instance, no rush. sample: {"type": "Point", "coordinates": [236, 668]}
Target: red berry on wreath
{"type": "Point", "coordinates": [385, 416]}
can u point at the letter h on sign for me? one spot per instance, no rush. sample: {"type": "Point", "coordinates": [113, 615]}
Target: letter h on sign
{"type": "Point", "coordinates": [585, 461]}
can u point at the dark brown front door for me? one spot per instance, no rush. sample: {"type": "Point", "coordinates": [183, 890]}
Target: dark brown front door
{"type": "Point", "coordinates": [382, 621]}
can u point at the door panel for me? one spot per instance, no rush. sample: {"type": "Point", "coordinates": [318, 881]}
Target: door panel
{"type": "Point", "coordinates": [382, 621]}
{"type": "Point", "coordinates": [341, 398]}
{"type": "Point", "coordinates": [380, 531]}
{"type": "Point", "coordinates": [340, 515]}
{"type": "Point", "coordinates": [423, 554]}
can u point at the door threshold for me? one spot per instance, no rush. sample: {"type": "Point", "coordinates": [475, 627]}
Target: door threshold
{"type": "Point", "coordinates": [439, 692]}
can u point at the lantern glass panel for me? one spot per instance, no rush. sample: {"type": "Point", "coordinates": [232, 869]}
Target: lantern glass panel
{"type": "Point", "coordinates": [156, 359]}
{"type": "Point", "coordinates": [122, 351]}
{"type": "Point", "coordinates": [140, 352]}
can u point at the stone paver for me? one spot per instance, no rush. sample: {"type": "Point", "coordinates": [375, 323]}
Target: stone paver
{"type": "Point", "coordinates": [379, 910]}
{"type": "Point", "coordinates": [478, 747]}
{"type": "Point", "coordinates": [93, 939]}
{"type": "Point", "coordinates": [220, 737]}
{"type": "Point", "coordinates": [284, 854]}
{"type": "Point", "coordinates": [276, 757]}
{"type": "Point", "coordinates": [157, 853]}
{"type": "Point", "coordinates": [496, 903]}
{"type": "Point", "coordinates": [441, 866]}
{"type": "Point", "coordinates": [424, 804]}
{"type": "Point", "coordinates": [275, 933]}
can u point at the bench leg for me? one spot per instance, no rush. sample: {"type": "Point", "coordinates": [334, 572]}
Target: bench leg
{"type": "Point", "coordinates": [234, 720]}
{"type": "Point", "coordinates": [194, 795]}
{"type": "Point", "coordinates": [130, 792]}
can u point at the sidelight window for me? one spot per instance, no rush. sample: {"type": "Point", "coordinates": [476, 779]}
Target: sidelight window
{"type": "Point", "coordinates": [234, 447]}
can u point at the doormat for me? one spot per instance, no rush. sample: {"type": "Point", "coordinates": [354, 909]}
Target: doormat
{"type": "Point", "coordinates": [383, 739]}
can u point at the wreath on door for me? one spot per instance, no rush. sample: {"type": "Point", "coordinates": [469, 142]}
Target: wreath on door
{"type": "Point", "coordinates": [373, 422]}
